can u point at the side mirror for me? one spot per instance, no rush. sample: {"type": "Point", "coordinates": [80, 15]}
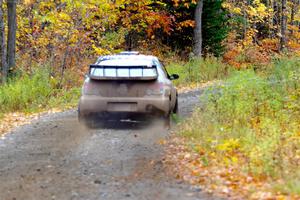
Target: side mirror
{"type": "Point", "coordinates": [174, 77]}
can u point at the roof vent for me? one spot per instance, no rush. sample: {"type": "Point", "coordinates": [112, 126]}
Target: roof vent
{"type": "Point", "coordinates": [129, 53]}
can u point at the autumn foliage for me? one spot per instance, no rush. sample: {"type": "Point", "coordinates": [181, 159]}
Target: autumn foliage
{"type": "Point", "coordinates": [248, 133]}
{"type": "Point", "coordinates": [243, 142]}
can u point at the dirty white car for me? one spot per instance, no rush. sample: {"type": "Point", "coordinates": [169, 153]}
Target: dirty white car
{"type": "Point", "coordinates": [127, 86]}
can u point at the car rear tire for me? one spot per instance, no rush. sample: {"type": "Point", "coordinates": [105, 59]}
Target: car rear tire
{"type": "Point", "coordinates": [175, 110]}
{"type": "Point", "coordinates": [88, 121]}
{"type": "Point", "coordinates": [167, 122]}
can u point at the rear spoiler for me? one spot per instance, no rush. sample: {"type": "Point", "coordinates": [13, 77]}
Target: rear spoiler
{"type": "Point", "coordinates": [99, 72]}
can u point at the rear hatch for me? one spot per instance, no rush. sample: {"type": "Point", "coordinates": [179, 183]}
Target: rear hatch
{"type": "Point", "coordinates": [122, 81]}
{"type": "Point", "coordinates": [113, 88]}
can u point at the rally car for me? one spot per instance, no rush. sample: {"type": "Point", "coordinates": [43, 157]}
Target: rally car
{"type": "Point", "coordinates": [127, 86]}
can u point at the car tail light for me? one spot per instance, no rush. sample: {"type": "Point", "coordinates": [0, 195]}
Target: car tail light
{"type": "Point", "coordinates": [89, 88]}
{"type": "Point", "coordinates": [159, 89]}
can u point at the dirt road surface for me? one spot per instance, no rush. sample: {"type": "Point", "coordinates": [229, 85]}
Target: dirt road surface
{"type": "Point", "coordinates": [56, 158]}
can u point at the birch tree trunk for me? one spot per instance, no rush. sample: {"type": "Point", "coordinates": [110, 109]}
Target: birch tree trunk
{"type": "Point", "coordinates": [3, 63]}
{"type": "Point", "coordinates": [12, 28]}
{"type": "Point", "coordinates": [283, 39]}
{"type": "Point", "coordinates": [198, 40]}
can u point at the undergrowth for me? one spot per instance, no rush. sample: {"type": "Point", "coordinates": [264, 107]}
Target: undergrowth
{"type": "Point", "coordinates": [30, 93]}
{"type": "Point", "coordinates": [252, 121]}
{"type": "Point", "coordinates": [198, 70]}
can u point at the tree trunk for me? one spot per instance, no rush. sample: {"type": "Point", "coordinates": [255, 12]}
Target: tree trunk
{"type": "Point", "coordinates": [245, 15]}
{"type": "Point", "coordinates": [198, 29]}
{"type": "Point", "coordinates": [63, 67]}
{"type": "Point", "coordinates": [3, 63]}
{"type": "Point", "coordinates": [276, 18]}
{"type": "Point", "coordinates": [270, 19]}
{"type": "Point", "coordinates": [294, 11]}
{"type": "Point", "coordinates": [12, 28]}
{"type": "Point", "coordinates": [283, 39]}
{"type": "Point", "coordinates": [245, 24]}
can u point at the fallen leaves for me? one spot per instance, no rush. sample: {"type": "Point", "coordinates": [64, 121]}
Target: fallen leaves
{"type": "Point", "coordinates": [13, 120]}
{"type": "Point", "coordinates": [213, 176]}
{"type": "Point", "coordinates": [192, 86]}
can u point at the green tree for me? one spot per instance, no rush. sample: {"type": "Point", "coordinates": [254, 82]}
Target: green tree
{"type": "Point", "coordinates": [214, 27]}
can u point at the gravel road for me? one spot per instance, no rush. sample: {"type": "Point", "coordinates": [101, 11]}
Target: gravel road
{"type": "Point", "coordinates": [56, 158]}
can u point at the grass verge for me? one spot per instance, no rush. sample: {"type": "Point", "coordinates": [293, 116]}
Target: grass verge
{"type": "Point", "coordinates": [198, 71]}
{"type": "Point", "coordinates": [247, 134]}
{"type": "Point", "coordinates": [36, 92]}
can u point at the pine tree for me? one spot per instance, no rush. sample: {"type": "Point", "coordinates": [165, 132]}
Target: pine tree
{"type": "Point", "coordinates": [215, 27]}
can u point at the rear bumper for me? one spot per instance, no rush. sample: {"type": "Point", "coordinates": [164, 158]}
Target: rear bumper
{"type": "Point", "coordinates": [149, 105]}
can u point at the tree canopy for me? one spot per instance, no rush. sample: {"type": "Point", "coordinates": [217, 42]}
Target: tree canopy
{"type": "Point", "coordinates": [68, 32]}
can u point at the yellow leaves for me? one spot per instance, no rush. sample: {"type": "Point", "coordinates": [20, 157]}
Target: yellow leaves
{"type": "Point", "coordinates": [46, 5]}
{"type": "Point", "coordinates": [237, 10]}
{"type": "Point", "coordinates": [162, 142]}
{"type": "Point", "coordinates": [256, 12]}
{"type": "Point", "coordinates": [226, 5]}
{"type": "Point", "coordinates": [186, 23]}
{"type": "Point", "coordinates": [262, 9]}
{"type": "Point", "coordinates": [234, 160]}
{"type": "Point", "coordinates": [27, 2]}
{"type": "Point", "coordinates": [232, 8]}
{"type": "Point", "coordinates": [229, 145]}
{"type": "Point", "coordinates": [223, 177]}
{"type": "Point", "coordinates": [43, 41]}
{"type": "Point", "coordinates": [64, 17]}
{"type": "Point", "coordinates": [100, 51]}
{"type": "Point", "coordinates": [185, 3]}
{"type": "Point", "coordinates": [74, 37]}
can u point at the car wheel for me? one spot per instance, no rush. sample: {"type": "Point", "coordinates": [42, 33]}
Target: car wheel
{"type": "Point", "coordinates": [88, 121]}
{"type": "Point", "coordinates": [167, 122]}
{"type": "Point", "coordinates": [175, 110]}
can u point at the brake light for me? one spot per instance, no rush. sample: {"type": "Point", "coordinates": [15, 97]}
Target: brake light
{"type": "Point", "coordinates": [89, 88]}
{"type": "Point", "coordinates": [158, 89]}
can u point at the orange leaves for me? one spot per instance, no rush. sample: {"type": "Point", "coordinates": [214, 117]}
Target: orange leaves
{"type": "Point", "coordinates": [156, 21]}
{"type": "Point", "coordinates": [231, 56]}
{"type": "Point", "coordinates": [185, 3]}
{"type": "Point", "coordinates": [185, 24]}
{"type": "Point", "coordinates": [242, 57]}
{"type": "Point", "coordinates": [28, 2]}
{"type": "Point", "coordinates": [13, 120]}
{"type": "Point", "coordinates": [214, 177]}
{"type": "Point", "coordinates": [140, 17]}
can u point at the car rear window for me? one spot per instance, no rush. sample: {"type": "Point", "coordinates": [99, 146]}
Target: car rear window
{"type": "Point", "coordinates": [117, 72]}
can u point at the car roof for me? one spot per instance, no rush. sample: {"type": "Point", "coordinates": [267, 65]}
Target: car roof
{"type": "Point", "coordinates": [127, 59]}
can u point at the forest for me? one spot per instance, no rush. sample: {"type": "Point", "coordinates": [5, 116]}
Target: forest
{"type": "Point", "coordinates": [66, 34]}
{"type": "Point", "coordinates": [248, 49]}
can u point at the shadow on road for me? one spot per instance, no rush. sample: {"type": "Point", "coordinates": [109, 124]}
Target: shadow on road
{"type": "Point", "coordinates": [126, 124]}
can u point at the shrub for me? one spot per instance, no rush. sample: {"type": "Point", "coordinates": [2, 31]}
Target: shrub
{"type": "Point", "coordinates": [198, 70]}
{"type": "Point", "coordinates": [253, 119]}
{"type": "Point", "coordinates": [32, 92]}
